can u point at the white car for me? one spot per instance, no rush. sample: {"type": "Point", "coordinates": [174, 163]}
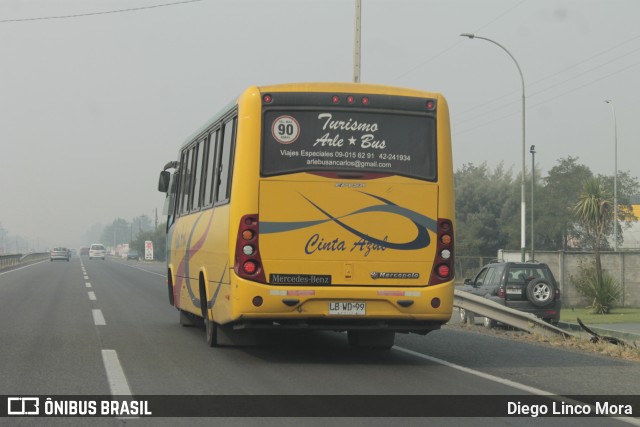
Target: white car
{"type": "Point", "coordinates": [97, 251]}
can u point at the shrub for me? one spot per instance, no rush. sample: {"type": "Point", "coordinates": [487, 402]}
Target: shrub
{"type": "Point", "coordinates": [603, 295]}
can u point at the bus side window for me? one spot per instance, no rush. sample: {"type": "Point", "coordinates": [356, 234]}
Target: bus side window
{"type": "Point", "coordinates": [209, 168]}
{"type": "Point", "coordinates": [224, 168]}
{"type": "Point", "coordinates": [181, 181]}
{"type": "Point", "coordinates": [186, 182]}
{"type": "Point", "coordinates": [197, 178]}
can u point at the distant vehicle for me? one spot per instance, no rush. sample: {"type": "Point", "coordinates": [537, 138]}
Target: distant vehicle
{"type": "Point", "coordinates": [528, 287]}
{"type": "Point", "coordinates": [97, 250]}
{"type": "Point", "coordinates": [84, 251]}
{"type": "Point", "coordinates": [133, 255]}
{"type": "Point", "coordinates": [60, 253]}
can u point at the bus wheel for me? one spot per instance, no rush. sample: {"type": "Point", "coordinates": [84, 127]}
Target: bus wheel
{"type": "Point", "coordinates": [170, 288]}
{"type": "Point", "coordinates": [380, 340]}
{"type": "Point", "coordinates": [211, 332]}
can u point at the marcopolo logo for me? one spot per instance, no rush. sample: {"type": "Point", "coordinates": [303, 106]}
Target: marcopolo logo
{"type": "Point", "coordinates": [382, 275]}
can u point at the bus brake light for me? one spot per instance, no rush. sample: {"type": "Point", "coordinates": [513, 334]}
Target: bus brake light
{"type": "Point", "coordinates": [248, 263]}
{"type": "Point", "coordinates": [250, 267]}
{"type": "Point", "coordinates": [443, 264]}
{"type": "Point", "coordinates": [443, 270]}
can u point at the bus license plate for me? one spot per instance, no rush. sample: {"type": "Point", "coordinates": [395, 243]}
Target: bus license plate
{"type": "Point", "coordinates": [345, 308]}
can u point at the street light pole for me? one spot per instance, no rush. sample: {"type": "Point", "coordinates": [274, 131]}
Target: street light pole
{"type": "Point", "coordinates": [356, 44]}
{"type": "Point", "coordinates": [523, 210]}
{"type": "Point", "coordinates": [615, 176]}
{"type": "Point", "coordinates": [532, 150]}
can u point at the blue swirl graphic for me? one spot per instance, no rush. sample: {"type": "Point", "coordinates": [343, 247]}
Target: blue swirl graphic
{"type": "Point", "coordinates": [421, 222]}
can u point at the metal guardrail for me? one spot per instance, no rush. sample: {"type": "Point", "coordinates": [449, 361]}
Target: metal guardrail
{"type": "Point", "coordinates": [526, 321]}
{"type": "Point", "coordinates": [9, 261]}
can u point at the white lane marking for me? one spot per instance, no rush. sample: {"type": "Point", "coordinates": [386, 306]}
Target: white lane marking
{"type": "Point", "coordinates": [506, 382]}
{"type": "Point", "coordinates": [86, 277]}
{"type": "Point", "coordinates": [88, 284]}
{"type": "Point", "coordinates": [92, 296]}
{"type": "Point", "coordinates": [20, 268]}
{"type": "Point", "coordinates": [115, 375]}
{"type": "Point", "coordinates": [98, 318]}
{"type": "Point", "coordinates": [142, 269]}
{"type": "Point", "coordinates": [489, 377]}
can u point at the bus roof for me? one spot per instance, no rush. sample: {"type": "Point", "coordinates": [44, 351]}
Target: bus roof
{"type": "Point", "coordinates": [312, 87]}
{"type": "Point", "coordinates": [346, 87]}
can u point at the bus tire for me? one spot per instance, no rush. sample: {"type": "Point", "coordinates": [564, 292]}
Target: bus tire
{"type": "Point", "coordinates": [170, 286]}
{"type": "Point", "coordinates": [378, 340]}
{"type": "Point", "coordinates": [211, 332]}
{"type": "Point", "coordinates": [210, 326]}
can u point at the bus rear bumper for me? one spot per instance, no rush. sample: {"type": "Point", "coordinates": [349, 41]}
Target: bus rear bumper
{"type": "Point", "coordinates": [407, 309]}
{"type": "Point", "coordinates": [324, 324]}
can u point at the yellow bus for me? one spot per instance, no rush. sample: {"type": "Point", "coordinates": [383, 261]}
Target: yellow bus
{"type": "Point", "coordinates": [319, 206]}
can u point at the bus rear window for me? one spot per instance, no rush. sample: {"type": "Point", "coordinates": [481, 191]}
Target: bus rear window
{"type": "Point", "coordinates": [355, 141]}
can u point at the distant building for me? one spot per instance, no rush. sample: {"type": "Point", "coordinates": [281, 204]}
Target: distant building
{"type": "Point", "coordinates": [632, 235]}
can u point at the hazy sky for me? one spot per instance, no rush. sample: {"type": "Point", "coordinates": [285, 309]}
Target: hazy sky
{"type": "Point", "coordinates": [92, 107]}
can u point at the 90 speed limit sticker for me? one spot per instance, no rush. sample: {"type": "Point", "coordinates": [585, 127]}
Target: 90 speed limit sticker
{"type": "Point", "coordinates": [285, 129]}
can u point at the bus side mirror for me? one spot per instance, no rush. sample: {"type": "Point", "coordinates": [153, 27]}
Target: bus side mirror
{"type": "Point", "coordinates": [163, 182]}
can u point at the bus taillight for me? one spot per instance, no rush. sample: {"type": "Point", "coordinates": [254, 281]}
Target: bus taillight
{"type": "Point", "coordinates": [443, 263]}
{"type": "Point", "coordinates": [250, 267]}
{"type": "Point", "coordinates": [443, 270]}
{"type": "Point", "coordinates": [248, 264]}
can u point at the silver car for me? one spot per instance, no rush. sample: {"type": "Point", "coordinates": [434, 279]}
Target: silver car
{"type": "Point", "coordinates": [60, 253]}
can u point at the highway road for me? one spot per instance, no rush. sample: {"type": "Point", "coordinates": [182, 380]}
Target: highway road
{"type": "Point", "coordinates": [106, 328]}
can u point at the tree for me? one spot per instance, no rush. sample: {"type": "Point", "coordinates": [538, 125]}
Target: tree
{"type": "Point", "coordinates": [486, 210]}
{"type": "Point", "coordinates": [141, 223]}
{"type": "Point", "coordinates": [116, 233]}
{"type": "Point", "coordinates": [94, 233]}
{"type": "Point", "coordinates": [594, 211]}
{"type": "Point", "coordinates": [159, 239]}
{"type": "Point", "coordinates": [555, 221]}
{"type": "Point", "coordinates": [628, 188]}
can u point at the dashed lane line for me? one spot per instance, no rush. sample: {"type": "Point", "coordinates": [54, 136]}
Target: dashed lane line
{"type": "Point", "coordinates": [98, 318]}
{"type": "Point", "coordinates": [117, 380]}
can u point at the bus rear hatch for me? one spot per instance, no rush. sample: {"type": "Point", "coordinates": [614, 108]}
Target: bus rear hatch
{"type": "Point", "coordinates": [348, 233]}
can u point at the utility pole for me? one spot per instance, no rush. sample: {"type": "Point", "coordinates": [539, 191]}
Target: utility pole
{"type": "Point", "coordinates": [356, 44]}
{"type": "Point", "coordinates": [532, 150]}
